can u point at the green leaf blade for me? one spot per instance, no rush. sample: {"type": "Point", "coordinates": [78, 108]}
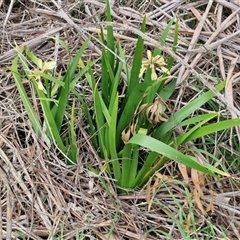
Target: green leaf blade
{"type": "Point", "coordinates": [165, 150]}
{"type": "Point", "coordinates": [184, 112]}
{"type": "Point", "coordinates": [26, 102]}
{"type": "Point", "coordinates": [212, 128]}
{"type": "Point", "coordinates": [63, 95]}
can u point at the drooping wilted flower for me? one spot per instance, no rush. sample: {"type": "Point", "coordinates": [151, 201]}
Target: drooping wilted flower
{"type": "Point", "coordinates": [154, 112]}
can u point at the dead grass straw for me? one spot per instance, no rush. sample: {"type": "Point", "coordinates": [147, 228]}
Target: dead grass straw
{"type": "Point", "coordinates": [39, 193]}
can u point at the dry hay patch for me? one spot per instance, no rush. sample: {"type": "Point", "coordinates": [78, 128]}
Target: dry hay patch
{"type": "Point", "coordinates": [39, 193]}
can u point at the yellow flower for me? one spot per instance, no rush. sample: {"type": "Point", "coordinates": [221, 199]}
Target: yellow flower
{"type": "Point", "coordinates": [153, 63]}
{"type": "Point", "coordinates": [40, 85]}
{"type": "Point", "coordinates": [48, 66]}
{"type": "Point", "coordinates": [44, 68]}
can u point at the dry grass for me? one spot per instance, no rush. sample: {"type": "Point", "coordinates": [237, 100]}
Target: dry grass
{"type": "Point", "coordinates": [38, 192]}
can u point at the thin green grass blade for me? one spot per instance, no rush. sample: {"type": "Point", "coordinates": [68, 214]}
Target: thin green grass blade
{"type": "Point", "coordinates": [170, 61]}
{"type": "Point", "coordinates": [112, 141]}
{"type": "Point", "coordinates": [26, 102]}
{"type": "Point", "coordinates": [110, 135]}
{"type": "Point", "coordinates": [174, 47]}
{"type": "Point", "coordinates": [117, 55]}
{"type": "Point", "coordinates": [212, 168]}
{"type": "Point", "coordinates": [115, 87]}
{"type": "Point", "coordinates": [205, 152]}
{"type": "Point", "coordinates": [52, 130]}
{"type": "Point", "coordinates": [72, 151]}
{"type": "Point", "coordinates": [164, 36]}
{"type": "Point", "coordinates": [62, 43]}
{"type": "Point", "coordinates": [92, 128]}
{"type": "Point", "coordinates": [198, 118]}
{"type": "Point", "coordinates": [111, 234]}
{"type": "Point", "coordinates": [125, 65]}
{"type": "Point", "coordinates": [37, 61]}
{"type": "Point", "coordinates": [145, 168]}
{"type": "Point", "coordinates": [100, 123]}
{"type": "Point", "coordinates": [105, 80]}
{"type": "Point", "coordinates": [110, 37]}
{"type": "Point", "coordinates": [85, 69]}
{"type": "Point", "coordinates": [109, 69]}
{"type": "Point", "coordinates": [179, 140]}
{"type": "Point", "coordinates": [168, 90]}
{"type": "Point", "coordinates": [126, 165]}
{"type": "Point", "coordinates": [48, 77]}
{"type": "Point", "coordinates": [137, 62]}
{"type": "Point", "coordinates": [134, 167]}
{"type": "Point", "coordinates": [105, 110]}
{"type": "Point", "coordinates": [63, 102]}
{"type": "Point", "coordinates": [85, 108]}
{"type": "Point", "coordinates": [23, 61]}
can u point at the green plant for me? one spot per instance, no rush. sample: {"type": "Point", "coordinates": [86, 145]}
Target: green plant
{"type": "Point", "coordinates": [129, 132]}
{"type": "Point", "coordinates": [53, 94]}
{"type": "Point", "coordinates": [126, 126]}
